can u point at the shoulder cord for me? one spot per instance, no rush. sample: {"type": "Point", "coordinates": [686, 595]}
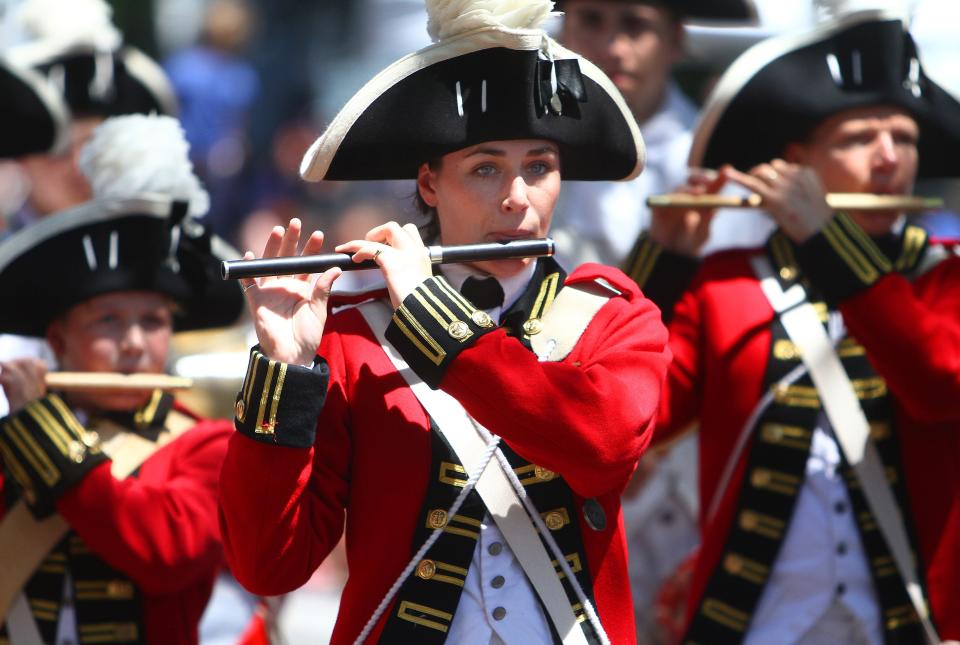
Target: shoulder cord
{"type": "Point", "coordinates": [488, 453]}
{"type": "Point", "coordinates": [534, 514]}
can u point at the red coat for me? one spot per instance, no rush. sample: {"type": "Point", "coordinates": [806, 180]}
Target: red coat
{"type": "Point", "coordinates": [160, 527]}
{"type": "Point", "coordinates": [588, 418]}
{"type": "Point", "coordinates": [720, 338]}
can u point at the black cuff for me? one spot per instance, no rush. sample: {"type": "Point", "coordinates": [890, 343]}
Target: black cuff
{"type": "Point", "coordinates": [662, 275]}
{"type": "Point", "coordinates": [433, 325]}
{"type": "Point", "coordinates": [279, 403]}
{"type": "Point", "coordinates": [47, 451]}
{"type": "Point", "coordinates": [841, 260]}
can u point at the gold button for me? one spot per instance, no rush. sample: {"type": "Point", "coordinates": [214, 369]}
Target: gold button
{"type": "Point", "coordinates": [532, 327]}
{"type": "Point", "coordinates": [554, 521]}
{"type": "Point", "coordinates": [240, 409]}
{"type": "Point", "coordinates": [90, 438]}
{"type": "Point", "coordinates": [733, 564]}
{"type": "Point", "coordinates": [426, 569]}
{"type": "Point", "coordinates": [748, 521]}
{"type": "Point", "coordinates": [458, 329]}
{"type": "Point", "coordinates": [481, 319]}
{"type": "Point", "coordinates": [760, 477]}
{"type": "Point", "coordinates": [77, 451]}
{"type": "Point", "coordinates": [543, 474]}
{"type": "Point", "coordinates": [437, 518]}
{"type": "Point", "coordinates": [788, 273]}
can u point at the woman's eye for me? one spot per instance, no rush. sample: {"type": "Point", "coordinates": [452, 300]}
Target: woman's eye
{"type": "Point", "coordinates": [485, 170]}
{"type": "Point", "coordinates": [539, 168]}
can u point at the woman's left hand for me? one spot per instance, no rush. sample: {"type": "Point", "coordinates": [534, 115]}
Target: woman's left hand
{"type": "Point", "coordinates": [400, 254]}
{"type": "Point", "coordinates": [791, 193]}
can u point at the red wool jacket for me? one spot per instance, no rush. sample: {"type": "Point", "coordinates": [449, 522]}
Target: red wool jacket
{"type": "Point", "coordinates": [720, 339]}
{"type": "Point", "coordinates": [160, 527]}
{"type": "Point", "coordinates": [587, 418]}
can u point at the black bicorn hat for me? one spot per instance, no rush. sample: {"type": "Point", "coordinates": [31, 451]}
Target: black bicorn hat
{"type": "Point", "coordinates": [100, 82]}
{"type": "Point", "coordinates": [779, 90]}
{"type": "Point", "coordinates": [33, 117]}
{"type": "Point", "coordinates": [740, 11]}
{"type": "Point", "coordinates": [487, 77]}
{"type": "Point", "coordinates": [146, 243]}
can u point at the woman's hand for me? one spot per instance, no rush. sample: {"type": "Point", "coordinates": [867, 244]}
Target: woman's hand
{"type": "Point", "coordinates": [685, 232]}
{"type": "Point", "coordinates": [23, 380]}
{"type": "Point", "coordinates": [400, 254]}
{"type": "Point", "coordinates": [288, 311]}
{"type": "Point", "coordinates": [792, 194]}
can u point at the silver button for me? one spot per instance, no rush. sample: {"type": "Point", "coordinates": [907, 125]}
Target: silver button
{"type": "Point", "coordinates": [495, 548]}
{"type": "Point", "coordinates": [499, 613]}
{"type": "Point", "coordinates": [497, 582]}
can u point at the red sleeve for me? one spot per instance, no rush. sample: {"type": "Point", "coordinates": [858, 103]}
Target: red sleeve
{"type": "Point", "coordinates": [159, 528]}
{"type": "Point", "coordinates": [282, 508]}
{"type": "Point", "coordinates": [588, 417]}
{"type": "Point", "coordinates": [912, 334]}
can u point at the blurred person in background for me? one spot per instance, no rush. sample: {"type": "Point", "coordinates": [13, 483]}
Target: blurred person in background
{"type": "Point", "coordinates": [109, 495]}
{"type": "Point", "coordinates": [81, 54]}
{"type": "Point", "coordinates": [86, 73]}
{"type": "Point", "coordinates": [636, 43]}
{"type": "Point", "coordinates": [217, 86]}
{"type": "Point", "coordinates": [796, 547]}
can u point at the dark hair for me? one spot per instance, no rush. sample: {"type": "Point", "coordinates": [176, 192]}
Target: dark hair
{"type": "Point", "coordinates": [430, 229]}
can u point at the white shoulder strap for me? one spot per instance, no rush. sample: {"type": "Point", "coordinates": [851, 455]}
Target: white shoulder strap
{"type": "Point", "coordinates": [850, 425]}
{"type": "Point", "coordinates": [465, 437]}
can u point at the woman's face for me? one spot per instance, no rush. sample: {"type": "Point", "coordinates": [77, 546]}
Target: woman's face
{"type": "Point", "coordinates": [126, 332]}
{"type": "Point", "coordinates": [494, 192]}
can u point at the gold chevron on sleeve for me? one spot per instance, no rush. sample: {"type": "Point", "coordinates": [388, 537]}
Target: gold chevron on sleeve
{"type": "Point", "coordinates": [914, 238]}
{"type": "Point", "coordinates": [642, 265]}
{"type": "Point", "coordinates": [421, 297]}
{"type": "Point", "coordinates": [850, 254]}
{"type": "Point", "coordinates": [33, 453]}
{"type": "Point", "coordinates": [49, 425]}
{"type": "Point", "coordinates": [281, 377]}
{"type": "Point", "coordinates": [261, 428]}
{"type": "Point", "coordinates": [456, 297]}
{"type": "Point", "coordinates": [867, 245]}
{"type": "Point", "coordinates": [430, 347]}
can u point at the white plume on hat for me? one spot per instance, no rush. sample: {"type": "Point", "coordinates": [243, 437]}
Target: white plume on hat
{"type": "Point", "coordinates": [831, 9]}
{"type": "Point", "coordinates": [449, 18]}
{"type": "Point", "coordinates": [130, 155]}
{"type": "Point", "coordinates": [70, 22]}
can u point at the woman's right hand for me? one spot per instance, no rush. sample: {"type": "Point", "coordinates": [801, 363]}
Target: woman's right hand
{"type": "Point", "coordinates": [686, 231]}
{"type": "Point", "coordinates": [289, 312]}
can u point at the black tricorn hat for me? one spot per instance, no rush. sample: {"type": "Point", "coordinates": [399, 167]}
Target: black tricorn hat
{"type": "Point", "coordinates": [701, 10]}
{"type": "Point", "coordinates": [33, 116]}
{"type": "Point", "coordinates": [779, 90]}
{"type": "Point", "coordinates": [141, 244]}
{"type": "Point", "coordinates": [487, 78]}
{"type": "Point", "coordinates": [101, 83]}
